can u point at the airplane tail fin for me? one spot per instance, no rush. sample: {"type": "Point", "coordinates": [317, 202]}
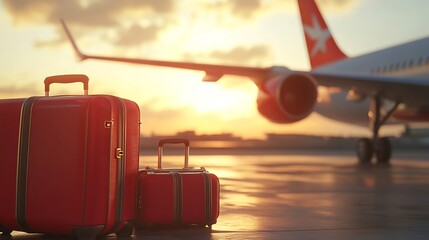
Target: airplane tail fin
{"type": "Point", "coordinates": [321, 46]}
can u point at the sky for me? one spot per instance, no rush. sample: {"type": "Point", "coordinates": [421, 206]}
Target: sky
{"type": "Point", "coordinates": [258, 33]}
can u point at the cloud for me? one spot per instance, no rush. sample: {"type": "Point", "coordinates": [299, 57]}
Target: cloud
{"type": "Point", "coordinates": [229, 11]}
{"type": "Point", "coordinates": [244, 55]}
{"type": "Point", "coordinates": [136, 35]}
{"type": "Point", "coordinates": [239, 8]}
{"type": "Point", "coordinates": [16, 91]}
{"type": "Point", "coordinates": [95, 13]}
{"type": "Point", "coordinates": [50, 11]}
{"type": "Point", "coordinates": [245, 8]}
{"type": "Point", "coordinates": [338, 5]}
{"type": "Point", "coordinates": [248, 9]}
{"type": "Point", "coordinates": [130, 23]}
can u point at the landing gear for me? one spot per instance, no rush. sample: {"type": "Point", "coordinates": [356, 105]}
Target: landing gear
{"type": "Point", "coordinates": [364, 150]}
{"type": "Point", "coordinates": [383, 150]}
{"type": "Point", "coordinates": [380, 147]}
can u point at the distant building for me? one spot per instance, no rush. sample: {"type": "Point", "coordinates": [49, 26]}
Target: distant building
{"type": "Point", "coordinates": [278, 142]}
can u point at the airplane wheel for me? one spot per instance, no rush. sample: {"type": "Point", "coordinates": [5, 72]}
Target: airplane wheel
{"type": "Point", "coordinates": [383, 150]}
{"type": "Point", "coordinates": [364, 150]}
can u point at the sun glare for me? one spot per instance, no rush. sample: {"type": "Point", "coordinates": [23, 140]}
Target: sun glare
{"type": "Point", "coordinates": [211, 98]}
{"type": "Point", "coordinates": [215, 98]}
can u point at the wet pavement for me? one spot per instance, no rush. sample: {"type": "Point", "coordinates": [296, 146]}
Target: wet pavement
{"type": "Point", "coordinates": [317, 196]}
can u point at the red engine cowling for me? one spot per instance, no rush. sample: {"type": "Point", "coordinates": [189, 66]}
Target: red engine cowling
{"type": "Point", "coordinates": [287, 98]}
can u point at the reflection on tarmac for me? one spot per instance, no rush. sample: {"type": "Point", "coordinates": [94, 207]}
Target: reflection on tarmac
{"type": "Point", "coordinates": [304, 196]}
{"type": "Point", "coordinates": [325, 196]}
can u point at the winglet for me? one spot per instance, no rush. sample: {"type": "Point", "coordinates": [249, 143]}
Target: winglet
{"type": "Point", "coordinates": [76, 49]}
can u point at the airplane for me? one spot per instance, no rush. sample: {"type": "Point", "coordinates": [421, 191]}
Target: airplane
{"type": "Point", "coordinates": [386, 86]}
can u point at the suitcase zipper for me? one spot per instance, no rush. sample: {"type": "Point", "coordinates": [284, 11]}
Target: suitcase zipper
{"type": "Point", "coordinates": [22, 161]}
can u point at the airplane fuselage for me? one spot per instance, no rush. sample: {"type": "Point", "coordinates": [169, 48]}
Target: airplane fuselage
{"type": "Point", "coordinates": [407, 60]}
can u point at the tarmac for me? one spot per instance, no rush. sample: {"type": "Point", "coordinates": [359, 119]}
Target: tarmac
{"type": "Point", "coordinates": [323, 195]}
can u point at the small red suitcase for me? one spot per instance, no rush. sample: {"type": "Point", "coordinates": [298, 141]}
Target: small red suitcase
{"type": "Point", "coordinates": [68, 164]}
{"type": "Point", "coordinates": [169, 197]}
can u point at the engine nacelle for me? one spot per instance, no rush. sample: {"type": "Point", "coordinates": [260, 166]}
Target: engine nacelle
{"type": "Point", "coordinates": [287, 98]}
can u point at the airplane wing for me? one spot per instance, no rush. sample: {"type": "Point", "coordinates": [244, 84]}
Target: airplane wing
{"type": "Point", "coordinates": [213, 72]}
{"type": "Point", "coordinates": [398, 89]}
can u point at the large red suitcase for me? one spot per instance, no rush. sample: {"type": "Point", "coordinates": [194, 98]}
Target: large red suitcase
{"type": "Point", "coordinates": [177, 197]}
{"type": "Point", "coordinates": [68, 164]}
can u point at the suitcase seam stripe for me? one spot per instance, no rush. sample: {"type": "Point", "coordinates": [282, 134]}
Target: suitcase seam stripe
{"type": "Point", "coordinates": [208, 196]}
{"type": "Point", "coordinates": [110, 165]}
{"type": "Point", "coordinates": [22, 162]}
{"type": "Point", "coordinates": [120, 181]}
{"type": "Point", "coordinates": [85, 163]}
{"type": "Point", "coordinates": [217, 197]}
{"type": "Point", "coordinates": [123, 160]}
{"type": "Point", "coordinates": [178, 195]}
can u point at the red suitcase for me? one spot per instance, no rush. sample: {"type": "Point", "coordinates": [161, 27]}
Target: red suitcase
{"type": "Point", "coordinates": [185, 196]}
{"type": "Point", "coordinates": [68, 164]}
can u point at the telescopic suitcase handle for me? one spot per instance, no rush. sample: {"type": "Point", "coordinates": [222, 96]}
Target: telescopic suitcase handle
{"type": "Point", "coordinates": [71, 78]}
{"type": "Point", "coordinates": [173, 141]}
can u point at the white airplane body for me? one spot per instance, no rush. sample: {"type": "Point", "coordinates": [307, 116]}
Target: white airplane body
{"type": "Point", "coordinates": [389, 85]}
{"type": "Point", "coordinates": [406, 60]}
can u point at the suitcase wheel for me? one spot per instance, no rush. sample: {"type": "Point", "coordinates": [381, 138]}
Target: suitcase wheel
{"type": "Point", "coordinates": [127, 230]}
{"type": "Point", "coordinates": [4, 231]}
{"type": "Point", "coordinates": [87, 233]}
{"type": "Point", "coordinates": [143, 228]}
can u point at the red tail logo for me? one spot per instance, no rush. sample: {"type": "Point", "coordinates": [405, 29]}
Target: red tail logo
{"type": "Point", "coordinates": [321, 47]}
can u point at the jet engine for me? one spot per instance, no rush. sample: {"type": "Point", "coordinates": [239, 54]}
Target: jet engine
{"type": "Point", "coordinates": [287, 98]}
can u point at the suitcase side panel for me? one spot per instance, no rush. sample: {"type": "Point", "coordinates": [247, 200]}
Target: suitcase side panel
{"type": "Point", "coordinates": [194, 207]}
{"type": "Point", "coordinates": [94, 214]}
{"type": "Point", "coordinates": [55, 184]}
{"type": "Point", "coordinates": [215, 198]}
{"type": "Point", "coordinates": [122, 172]}
{"type": "Point", "coordinates": [10, 111]}
{"type": "Point", "coordinates": [158, 199]}
{"type": "Point", "coordinates": [197, 208]}
{"type": "Point", "coordinates": [132, 160]}
{"type": "Point", "coordinates": [98, 160]}
{"type": "Point", "coordinates": [119, 175]}
{"type": "Point", "coordinates": [112, 171]}
{"type": "Point", "coordinates": [156, 196]}
{"type": "Point", "coordinates": [96, 204]}
{"type": "Point", "coordinates": [116, 191]}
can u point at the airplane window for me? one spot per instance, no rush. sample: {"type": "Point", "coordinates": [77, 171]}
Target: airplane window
{"type": "Point", "coordinates": [397, 66]}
